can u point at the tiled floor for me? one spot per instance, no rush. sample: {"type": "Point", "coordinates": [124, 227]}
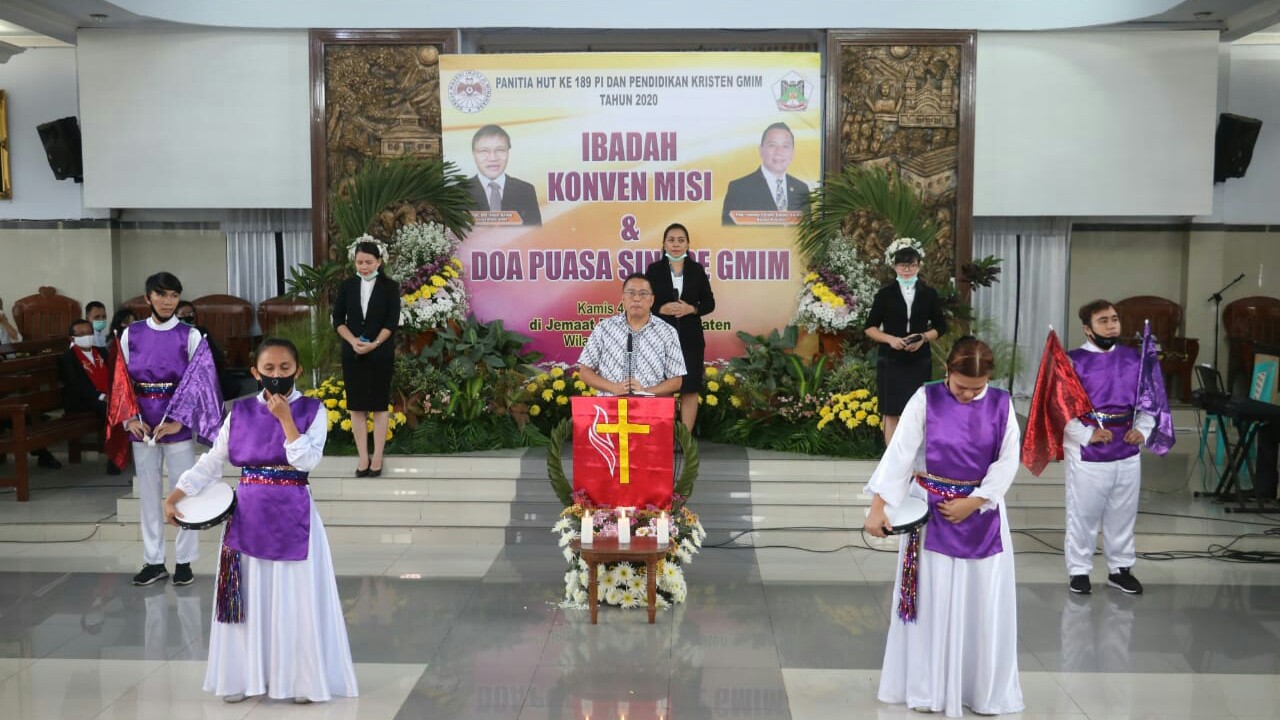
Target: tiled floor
{"type": "Point", "coordinates": [767, 634]}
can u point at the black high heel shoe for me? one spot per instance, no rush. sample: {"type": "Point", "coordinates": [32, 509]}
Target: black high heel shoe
{"type": "Point", "coordinates": [362, 473]}
{"type": "Point", "coordinates": [374, 473]}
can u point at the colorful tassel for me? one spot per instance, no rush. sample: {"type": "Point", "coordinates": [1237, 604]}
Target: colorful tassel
{"type": "Point", "coordinates": [230, 590]}
{"type": "Point", "coordinates": [909, 594]}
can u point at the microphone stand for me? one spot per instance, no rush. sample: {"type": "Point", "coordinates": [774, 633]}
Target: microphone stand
{"type": "Point", "coordinates": [631, 368]}
{"type": "Point", "coordinates": [1216, 299]}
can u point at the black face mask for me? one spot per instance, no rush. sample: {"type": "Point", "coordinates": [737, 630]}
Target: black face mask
{"type": "Point", "coordinates": [1103, 343]}
{"type": "Point", "coordinates": [276, 385]}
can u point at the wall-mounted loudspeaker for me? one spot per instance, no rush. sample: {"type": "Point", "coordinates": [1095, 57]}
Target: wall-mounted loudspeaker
{"type": "Point", "coordinates": [61, 139]}
{"type": "Point", "coordinates": [1233, 148]}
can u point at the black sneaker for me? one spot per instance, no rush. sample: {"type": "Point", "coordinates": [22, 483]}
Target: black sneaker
{"type": "Point", "coordinates": [1080, 585]}
{"type": "Point", "coordinates": [182, 574]}
{"type": "Point", "coordinates": [45, 459]}
{"type": "Point", "coordinates": [1123, 580]}
{"type": "Point", "coordinates": [112, 469]}
{"type": "Point", "coordinates": [150, 574]}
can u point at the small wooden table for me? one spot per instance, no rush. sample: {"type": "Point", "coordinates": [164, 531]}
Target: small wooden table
{"type": "Point", "coordinates": [607, 550]}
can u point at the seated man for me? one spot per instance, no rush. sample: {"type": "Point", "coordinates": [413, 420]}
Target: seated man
{"type": "Point", "coordinates": [227, 383]}
{"type": "Point", "coordinates": [96, 313]}
{"type": "Point", "coordinates": [85, 378]}
{"type": "Point", "coordinates": [635, 352]}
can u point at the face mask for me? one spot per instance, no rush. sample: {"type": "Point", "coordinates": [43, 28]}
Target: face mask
{"type": "Point", "coordinates": [276, 385]}
{"type": "Point", "coordinates": [907, 282]}
{"type": "Point", "coordinates": [99, 325]}
{"type": "Point", "coordinates": [1103, 343]}
{"type": "Point", "coordinates": [677, 258]}
{"type": "Point", "coordinates": [84, 342]}
{"type": "Point", "coordinates": [368, 276]}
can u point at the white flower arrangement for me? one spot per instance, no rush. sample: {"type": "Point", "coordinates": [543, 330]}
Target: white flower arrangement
{"type": "Point", "coordinates": [366, 238]}
{"type": "Point", "coordinates": [623, 584]}
{"type": "Point", "coordinates": [836, 295]}
{"type": "Point", "coordinates": [901, 244]}
{"type": "Point", "coordinates": [432, 291]}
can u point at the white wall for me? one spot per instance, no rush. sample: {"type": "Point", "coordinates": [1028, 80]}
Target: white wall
{"type": "Point", "coordinates": [75, 261]}
{"type": "Point", "coordinates": [195, 118]}
{"type": "Point", "coordinates": [1255, 92]}
{"type": "Point", "coordinates": [40, 85]}
{"type": "Point", "coordinates": [1095, 123]}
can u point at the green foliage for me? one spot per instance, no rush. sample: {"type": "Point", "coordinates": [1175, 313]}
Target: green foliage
{"type": "Point", "coordinates": [858, 189]}
{"type": "Point", "coordinates": [850, 373]}
{"type": "Point", "coordinates": [318, 349]}
{"type": "Point", "coordinates": [405, 179]}
{"type": "Point", "coordinates": [555, 466]}
{"type": "Point", "coordinates": [987, 331]}
{"type": "Point", "coordinates": [764, 367]}
{"type": "Point", "coordinates": [473, 346]}
{"type": "Point", "coordinates": [689, 472]}
{"type": "Point", "coordinates": [316, 284]}
{"type": "Point", "coordinates": [435, 435]}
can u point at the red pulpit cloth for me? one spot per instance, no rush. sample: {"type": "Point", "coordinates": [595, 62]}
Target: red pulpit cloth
{"type": "Point", "coordinates": [622, 450]}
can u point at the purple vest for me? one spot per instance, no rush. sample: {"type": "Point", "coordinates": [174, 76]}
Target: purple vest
{"type": "Point", "coordinates": [157, 359]}
{"type": "Point", "coordinates": [962, 440]}
{"type": "Point", "coordinates": [1111, 380]}
{"type": "Point", "coordinates": [272, 519]}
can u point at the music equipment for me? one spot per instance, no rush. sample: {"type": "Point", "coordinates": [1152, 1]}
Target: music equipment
{"type": "Point", "coordinates": [210, 508]}
{"type": "Point", "coordinates": [1247, 415]}
{"type": "Point", "coordinates": [912, 513]}
{"type": "Point", "coordinates": [61, 140]}
{"type": "Point", "coordinates": [1233, 145]}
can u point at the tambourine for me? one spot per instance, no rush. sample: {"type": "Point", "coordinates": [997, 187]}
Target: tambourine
{"type": "Point", "coordinates": [912, 513]}
{"type": "Point", "coordinates": [212, 507]}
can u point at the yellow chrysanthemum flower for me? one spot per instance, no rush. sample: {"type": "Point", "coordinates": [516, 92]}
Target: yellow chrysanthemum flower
{"type": "Point", "coordinates": [346, 425]}
{"type": "Point", "coordinates": [334, 416]}
{"type": "Point", "coordinates": [543, 377]}
{"type": "Point", "coordinates": [823, 422]}
{"type": "Point", "coordinates": [811, 277]}
{"type": "Point", "coordinates": [562, 400]}
{"type": "Point", "coordinates": [531, 388]}
{"type": "Point", "coordinates": [845, 414]}
{"type": "Point", "coordinates": [400, 418]}
{"type": "Point", "coordinates": [873, 420]}
{"type": "Point", "coordinates": [712, 400]}
{"type": "Point", "coordinates": [861, 414]}
{"type": "Point", "coordinates": [851, 423]}
{"type": "Point", "coordinates": [547, 395]}
{"type": "Point", "coordinates": [438, 281]}
{"type": "Point", "coordinates": [730, 379]}
{"type": "Point", "coordinates": [535, 410]}
{"type": "Point", "coordinates": [342, 403]}
{"type": "Point", "coordinates": [579, 386]}
{"type": "Point", "coordinates": [558, 385]}
{"type": "Point", "coordinates": [331, 403]}
{"type": "Point", "coordinates": [735, 401]}
{"type": "Point", "coordinates": [557, 372]}
{"type": "Point", "coordinates": [713, 386]}
{"type": "Point", "coordinates": [712, 371]}
{"type": "Point", "coordinates": [861, 394]}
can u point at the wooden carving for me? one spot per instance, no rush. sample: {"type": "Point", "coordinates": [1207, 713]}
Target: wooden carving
{"type": "Point", "coordinates": [376, 94]}
{"type": "Point", "coordinates": [903, 101]}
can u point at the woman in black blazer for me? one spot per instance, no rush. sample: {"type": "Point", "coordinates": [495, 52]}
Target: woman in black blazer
{"type": "Point", "coordinates": [681, 296]}
{"type": "Point", "coordinates": [905, 317]}
{"type": "Point", "coordinates": [366, 314]}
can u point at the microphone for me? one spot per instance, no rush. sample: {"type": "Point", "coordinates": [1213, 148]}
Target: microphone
{"type": "Point", "coordinates": [630, 361]}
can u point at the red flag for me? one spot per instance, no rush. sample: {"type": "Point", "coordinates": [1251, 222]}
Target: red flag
{"type": "Point", "coordinates": [1058, 398]}
{"type": "Point", "coordinates": [121, 405]}
{"type": "Point", "coordinates": [623, 450]}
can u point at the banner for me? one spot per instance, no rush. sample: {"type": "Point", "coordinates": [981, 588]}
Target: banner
{"type": "Point", "coordinates": [578, 162]}
{"type": "Point", "coordinates": [624, 450]}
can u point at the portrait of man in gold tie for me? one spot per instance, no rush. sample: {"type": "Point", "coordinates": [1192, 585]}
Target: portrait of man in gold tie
{"type": "Point", "coordinates": [768, 188]}
{"type": "Point", "coordinates": [492, 188]}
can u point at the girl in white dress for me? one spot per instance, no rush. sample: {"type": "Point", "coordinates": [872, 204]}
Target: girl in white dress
{"type": "Point", "coordinates": [953, 633]}
{"type": "Point", "coordinates": [278, 627]}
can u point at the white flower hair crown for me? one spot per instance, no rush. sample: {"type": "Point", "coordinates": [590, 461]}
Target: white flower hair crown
{"type": "Point", "coordinates": [382, 247]}
{"type": "Point", "coordinates": [902, 244]}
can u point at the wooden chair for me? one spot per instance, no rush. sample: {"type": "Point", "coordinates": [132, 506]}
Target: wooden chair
{"type": "Point", "coordinates": [30, 398]}
{"type": "Point", "coordinates": [273, 311]}
{"type": "Point", "coordinates": [1179, 353]}
{"type": "Point", "coordinates": [229, 320]}
{"type": "Point", "coordinates": [1249, 321]}
{"type": "Point", "coordinates": [45, 314]}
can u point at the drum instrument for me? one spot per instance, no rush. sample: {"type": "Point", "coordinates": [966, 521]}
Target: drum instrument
{"type": "Point", "coordinates": [912, 513]}
{"type": "Point", "coordinates": [210, 508]}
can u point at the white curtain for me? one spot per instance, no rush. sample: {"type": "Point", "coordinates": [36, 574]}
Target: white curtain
{"type": "Point", "coordinates": [1032, 292]}
{"type": "Point", "coordinates": [251, 251]}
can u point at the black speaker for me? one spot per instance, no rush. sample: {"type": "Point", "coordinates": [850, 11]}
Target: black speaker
{"type": "Point", "coordinates": [61, 139]}
{"type": "Point", "coordinates": [1233, 147]}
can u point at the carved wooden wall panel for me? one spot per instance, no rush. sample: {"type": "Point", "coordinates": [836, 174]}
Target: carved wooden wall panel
{"type": "Point", "coordinates": [375, 94]}
{"type": "Point", "coordinates": [903, 100]}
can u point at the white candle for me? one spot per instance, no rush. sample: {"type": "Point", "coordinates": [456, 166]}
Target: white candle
{"type": "Point", "coordinates": [624, 527]}
{"type": "Point", "coordinates": [588, 528]}
{"type": "Point", "coordinates": [664, 530]}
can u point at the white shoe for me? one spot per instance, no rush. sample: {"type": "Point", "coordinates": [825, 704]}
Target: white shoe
{"type": "Point", "coordinates": [238, 697]}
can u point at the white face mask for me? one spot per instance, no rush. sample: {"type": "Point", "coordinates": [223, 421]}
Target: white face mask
{"type": "Point", "coordinates": [84, 342]}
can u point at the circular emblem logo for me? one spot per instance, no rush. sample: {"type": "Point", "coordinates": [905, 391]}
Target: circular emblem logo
{"type": "Point", "coordinates": [469, 91]}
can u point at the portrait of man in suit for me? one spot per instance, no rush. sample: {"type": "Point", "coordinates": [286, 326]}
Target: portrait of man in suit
{"type": "Point", "coordinates": [492, 188]}
{"type": "Point", "coordinates": [769, 188]}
